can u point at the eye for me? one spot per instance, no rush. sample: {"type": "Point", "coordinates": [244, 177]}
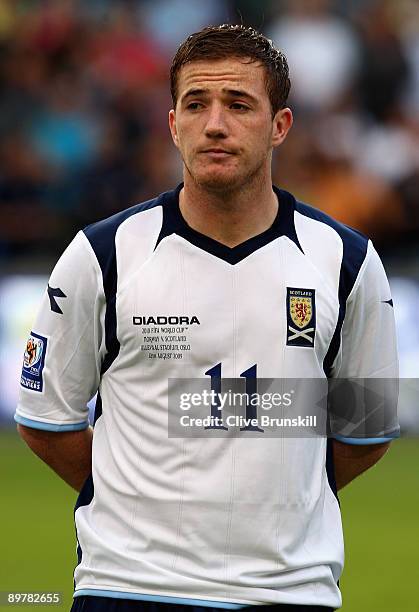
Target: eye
{"type": "Point", "coordinates": [194, 106]}
{"type": "Point", "coordinates": [239, 106]}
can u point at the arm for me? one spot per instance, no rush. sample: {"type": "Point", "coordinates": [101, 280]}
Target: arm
{"type": "Point", "coordinates": [350, 460]}
{"type": "Point", "coordinates": [68, 453]}
{"type": "Point", "coordinates": [61, 366]}
{"type": "Point", "coordinates": [363, 390]}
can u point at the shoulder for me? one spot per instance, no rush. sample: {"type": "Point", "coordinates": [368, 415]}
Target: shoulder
{"type": "Point", "coordinates": [325, 237]}
{"type": "Point", "coordinates": [351, 238]}
{"type": "Point", "coordinates": [102, 235]}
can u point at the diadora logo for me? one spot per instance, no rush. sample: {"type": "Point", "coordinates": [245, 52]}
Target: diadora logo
{"type": "Point", "coordinates": [165, 320]}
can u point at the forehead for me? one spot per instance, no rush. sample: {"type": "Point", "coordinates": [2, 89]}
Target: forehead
{"type": "Point", "coordinates": [236, 73]}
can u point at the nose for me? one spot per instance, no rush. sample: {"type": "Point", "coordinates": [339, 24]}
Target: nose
{"type": "Point", "coordinates": [216, 125]}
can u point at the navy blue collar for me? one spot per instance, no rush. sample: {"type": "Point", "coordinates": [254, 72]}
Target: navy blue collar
{"type": "Point", "coordinates": [283, 225]}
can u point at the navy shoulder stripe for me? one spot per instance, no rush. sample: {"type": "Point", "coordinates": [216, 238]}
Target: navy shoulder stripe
{"type": "Point", "coordinates": [355, 247]}
{"type": "Point", "coordinates": [84, 499]}
{"type": "Point", "coordinates": [101, 236]}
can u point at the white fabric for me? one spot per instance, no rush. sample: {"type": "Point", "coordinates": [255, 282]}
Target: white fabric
{"type": "Point", "coordinates": [232, 520]}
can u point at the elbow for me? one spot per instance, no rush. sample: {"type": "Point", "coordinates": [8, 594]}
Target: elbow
{"type": "Point", "coordinates": [36, 439]}
{"type": "Point", "coordinates": [27, 433]}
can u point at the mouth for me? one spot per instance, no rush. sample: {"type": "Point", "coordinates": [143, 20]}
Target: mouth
{"type": "Point", "coordinates": [217, 153]}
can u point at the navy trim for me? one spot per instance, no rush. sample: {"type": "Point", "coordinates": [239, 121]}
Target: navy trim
{"type": "Point", "coordinates": [98, 408]}
{"type": "Point", "coordinates": [101, 236]}
{"type": "Point", "coordinates": [355, 247]}
{"type": "Point", "coordinates": [330, 468]}
{"type": "Point", "coordinates": [283, 225]}
{"type": "Point", "coordinates": [84, 499]}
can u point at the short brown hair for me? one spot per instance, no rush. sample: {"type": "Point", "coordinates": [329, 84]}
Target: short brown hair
{"type": "Point", "coordinates": [219, 42]}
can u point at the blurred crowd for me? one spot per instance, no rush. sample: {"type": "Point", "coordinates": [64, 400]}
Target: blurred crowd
{"type": "Point", "coordinates": [85, 96]}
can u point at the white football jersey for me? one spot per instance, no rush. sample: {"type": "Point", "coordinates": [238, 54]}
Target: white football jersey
{"type": "Point", "coordinates": [141, 298]}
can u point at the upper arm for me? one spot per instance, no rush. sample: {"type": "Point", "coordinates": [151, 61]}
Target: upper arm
{"type": "Point", "coordinates": [368, 344]}
{"type": "Point", "coordinates": [62, 360]}
{"type": "Point", "coordinates": [361, 451]}
{"type": "Point", "coordinates": [350, 461]}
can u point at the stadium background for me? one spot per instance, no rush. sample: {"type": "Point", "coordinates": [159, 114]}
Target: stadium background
{"type": "Point", "coordinates": [83, 134]}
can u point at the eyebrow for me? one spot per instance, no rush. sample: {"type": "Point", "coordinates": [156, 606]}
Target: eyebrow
{"type": "Point", "coordinates": [234, 93]}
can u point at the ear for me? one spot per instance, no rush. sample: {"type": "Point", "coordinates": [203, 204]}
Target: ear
{"type": "Point", "coordinates": [281, 125]}
{"type": "Point", "coordinates": [172, 127]}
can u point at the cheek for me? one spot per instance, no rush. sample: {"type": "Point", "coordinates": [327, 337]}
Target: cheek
{"type": "Point", "coordinates": [184, 135]}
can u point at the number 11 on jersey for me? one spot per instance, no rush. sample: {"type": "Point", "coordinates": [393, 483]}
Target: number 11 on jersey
{"type": "Point", "coordinates": [251, 391]}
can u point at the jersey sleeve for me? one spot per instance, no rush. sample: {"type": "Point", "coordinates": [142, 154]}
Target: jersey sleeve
{"type": "Point", "coordinates": [64, 351]}
{"type": "Point", "coordinates": [364, 388]}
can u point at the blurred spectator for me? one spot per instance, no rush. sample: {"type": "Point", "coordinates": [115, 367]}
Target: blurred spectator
{"type": "Point", "coordinates": [85, 95]}
{"type": "Point", "coordinates": [380, 84]}
{"type": "Point", "coordinates": [170, 21]}
{"type": "Point", "coordinates": [24, 220]}
{"type": "Point", "coordinates": [322, 52]}
{"type": "Point", "coordinates": [325, 176]}
{"type": "Point", "coordinates": [389, 149]}
{"type": "Point", "coordinates": [65, 132]}
{"type": "Point", "coordinates": [407, 18]}
{"type": "Point", "coordinates": [122, 55]}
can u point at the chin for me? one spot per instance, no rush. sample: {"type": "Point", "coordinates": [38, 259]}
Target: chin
{"type": "Point", "coordinates": [218, 182]}
{"type": "Point", "coordinates": [220, 178]}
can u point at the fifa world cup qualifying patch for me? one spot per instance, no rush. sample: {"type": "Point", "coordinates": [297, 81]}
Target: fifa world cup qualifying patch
{"type": "Point", "coordinates": [33, 362]}
{"type": "Point", "coordinates": [301, 317]}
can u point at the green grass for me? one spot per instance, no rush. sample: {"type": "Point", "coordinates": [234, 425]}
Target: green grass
{"type": "Point", "coordinates": [380, 514]}
{"type": "Point", "coordinates": [381, 525]}
{"type": "Point", "coordinates": [36, 518]}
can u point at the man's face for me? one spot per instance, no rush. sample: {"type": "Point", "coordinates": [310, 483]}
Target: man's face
{"type": "Point", "coordinates": [223, 123]}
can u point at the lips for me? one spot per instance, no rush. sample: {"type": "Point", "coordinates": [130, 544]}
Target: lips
{"type": "Point", "coordinates": [217, 153]}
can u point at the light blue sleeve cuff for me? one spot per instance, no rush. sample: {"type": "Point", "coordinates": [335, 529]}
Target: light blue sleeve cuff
{"type": "Point", "coordinates": [366, 441]}
{"type": "Point", "coordinates": [50, 426]}
{"type": "Point", "coordinates": [161, 599]}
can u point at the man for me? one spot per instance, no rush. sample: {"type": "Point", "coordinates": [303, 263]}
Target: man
{"type": "Point", "coordinates": [227, 277]}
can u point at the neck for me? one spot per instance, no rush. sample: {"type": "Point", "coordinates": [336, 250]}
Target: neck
{"type": "Point", "coordinates": [230, 217]}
